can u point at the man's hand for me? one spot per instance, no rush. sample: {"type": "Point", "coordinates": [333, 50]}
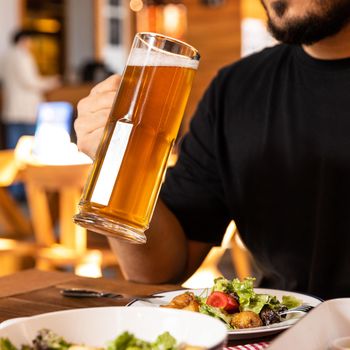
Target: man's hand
{"type": "Point", "coordinates": [93, 112]}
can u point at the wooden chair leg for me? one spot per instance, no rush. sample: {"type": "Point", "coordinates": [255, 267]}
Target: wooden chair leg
{"type": "Point", "coordinates": [11, 217]}
{"type": "Point", "coordinates": [71, 235]}
{"type": "Point", "coordinates": [41, 216]}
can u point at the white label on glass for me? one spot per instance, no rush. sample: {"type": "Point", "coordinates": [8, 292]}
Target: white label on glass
{"type": "Point", "coordinates": [111, 164]}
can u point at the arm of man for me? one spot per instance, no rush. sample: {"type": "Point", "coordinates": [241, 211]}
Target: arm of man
{"type": "Point", "coordinates": [168, 255]}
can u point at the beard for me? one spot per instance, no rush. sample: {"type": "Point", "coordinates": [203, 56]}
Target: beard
{"type": "Point", "coordinates": [314, 26]}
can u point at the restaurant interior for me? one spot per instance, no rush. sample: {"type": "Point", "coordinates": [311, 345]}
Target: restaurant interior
{"type": "Point", "coordinates": [57, 274]}
{"type": "Point", "coordinates": [74, 39]}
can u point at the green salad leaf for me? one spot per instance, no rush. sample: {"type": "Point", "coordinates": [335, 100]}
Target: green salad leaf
{"type": "Point", "coordinates": [246, 295]}
{"type": "Point", "coordinates": [290, 301]}
{"type": "Point", "coordinates": [47, 339]}
{"type": "Point", "coordinates": [256, 303]}
{"type": "Point", "coordinates": [215, 312]}
{"type": "Point", "coordinates": [222, 284]}
{"type": "Point", "coordinates": [127, 341]}
{"type": "Point", "coordinates": [5, 344]}
{"type": "Point", "coordinates": [165, 341]}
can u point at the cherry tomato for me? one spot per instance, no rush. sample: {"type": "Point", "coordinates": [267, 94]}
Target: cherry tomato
{"type": "Point", "coordinates": [223, 301]}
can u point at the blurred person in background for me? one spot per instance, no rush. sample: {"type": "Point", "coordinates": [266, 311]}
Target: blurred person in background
{"type": "Point", "coordinates": [269, 147]}
{"type": "Point", "coordinates": [23, 88]}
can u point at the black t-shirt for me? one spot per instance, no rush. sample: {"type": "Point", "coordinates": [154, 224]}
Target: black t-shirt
{"type": "Point", "coordinates": [269, 147]}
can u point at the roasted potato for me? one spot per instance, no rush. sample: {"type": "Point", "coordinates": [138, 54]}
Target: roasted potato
{"type": "Point", "coordinates": [245, 319]}
{"type": "Point", "coordinates": [185, 301]}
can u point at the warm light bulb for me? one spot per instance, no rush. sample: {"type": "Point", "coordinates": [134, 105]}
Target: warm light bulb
{"type": "Point", "coordinates": [174, 20]}
{"type": "Point", "coordinates": [136, 5]}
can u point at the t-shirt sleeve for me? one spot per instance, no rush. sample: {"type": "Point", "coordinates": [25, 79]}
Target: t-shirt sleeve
{"type": "Point", "coordinates": [193, 189]}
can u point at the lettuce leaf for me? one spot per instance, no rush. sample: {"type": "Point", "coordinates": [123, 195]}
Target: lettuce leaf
{"type": "Point", "coordinates": [290, 301]}
{"type": "Point", "coordinates": [165, 341]}
{"type": "Point", "coordinates": [245, 292]}
{"type": "Point", "coordinates": [127, 341]}
{"type": "Point", "coordinates": [222, 284]}
{"type": "Point", "coordinates": [5, 344]}
{"type": "Point", "coordinates": [215, 312]}
{"type": "Point", "coordinates": [256, 303]}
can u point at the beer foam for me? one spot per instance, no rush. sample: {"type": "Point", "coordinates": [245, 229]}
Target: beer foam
{"type": "Point", "coordinates": [144, 57]}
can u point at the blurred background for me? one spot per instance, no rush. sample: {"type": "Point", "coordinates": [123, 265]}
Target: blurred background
{"type": "Point", "coordinates": [81, 42]}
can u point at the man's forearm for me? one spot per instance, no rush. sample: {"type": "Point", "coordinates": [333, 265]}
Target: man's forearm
{"type": "Point", "coordinates": [162, 259]}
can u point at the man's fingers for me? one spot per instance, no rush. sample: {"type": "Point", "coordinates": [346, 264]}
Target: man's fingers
{"type": "Point", "coordinates": [89, 143]}
{"type": "Point", "coordinates": [93, 112]}
{"type": "Point", "coordinates": [91, 121]}
{"type": "Point", "coordinates": [109, 84]}
{"type": "Point", "coordinates": [94, 103]}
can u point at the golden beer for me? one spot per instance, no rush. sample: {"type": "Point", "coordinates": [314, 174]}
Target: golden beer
{"type": "Point", "coordinates": [123, 186]}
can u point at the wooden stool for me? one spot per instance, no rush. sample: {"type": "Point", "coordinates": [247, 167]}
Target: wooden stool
{"type": "Point", "coordinates": [70, 245]}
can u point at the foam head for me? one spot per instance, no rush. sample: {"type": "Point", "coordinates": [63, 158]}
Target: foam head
{"type": "Point", "coordinates": [157, 57]}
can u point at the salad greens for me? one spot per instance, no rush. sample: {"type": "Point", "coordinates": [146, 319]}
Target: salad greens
{"type": "Point", "coordinates": [289, 301]}
{"type": "Point", "coordinates": [127, 341]}
{"type": "Point", "coordinates": [48, 340]}
{"type": "Point", "coordinates": [214, 312]}
{"type": "Point", "coordinates": [5, 344]}
{"type": "Point", "coordinates": [248, 299]}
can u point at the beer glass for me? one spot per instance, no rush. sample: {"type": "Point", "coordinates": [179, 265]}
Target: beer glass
{"type": "Point", "coordinates": [123, 186]}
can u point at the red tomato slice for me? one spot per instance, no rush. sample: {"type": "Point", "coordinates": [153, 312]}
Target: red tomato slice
{"type": "Point", "coordinates": [223, 301]}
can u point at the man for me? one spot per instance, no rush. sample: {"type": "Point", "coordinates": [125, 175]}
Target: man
{"type": "Point", "coordinates": [23, 88]}
{"type": "Point", "coordinates": [269, 147]}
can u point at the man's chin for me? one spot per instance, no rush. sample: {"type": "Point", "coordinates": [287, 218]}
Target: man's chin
{"type": "Point", "coordinates": [312, 27]}
{"type": "Point", "coordinates": [290, 35]}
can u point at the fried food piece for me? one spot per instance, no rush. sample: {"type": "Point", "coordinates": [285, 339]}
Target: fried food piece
{"type": "Point", "coordinates": [185, 301]}
{"type": "Point", "coordinates": [192, 306]}
{"type": "Point", "coordinates": [246, 319]}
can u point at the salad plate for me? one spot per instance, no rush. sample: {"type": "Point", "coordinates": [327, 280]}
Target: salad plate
{"type": "Point", "coordinates": [98, 326]}
{"type": "Point", "coordinates": [247, 333]}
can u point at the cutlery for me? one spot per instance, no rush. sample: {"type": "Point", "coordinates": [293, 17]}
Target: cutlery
{"type": "Point", "coordinates": [90, 293]}
{"type": "Point", "coordinates": [301, 308]}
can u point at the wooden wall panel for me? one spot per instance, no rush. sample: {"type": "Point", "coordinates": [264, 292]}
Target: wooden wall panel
{"type": "Point", "coordinates": [215, 32]}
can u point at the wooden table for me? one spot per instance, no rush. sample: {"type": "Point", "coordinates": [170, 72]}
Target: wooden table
{"type": "Point", "coordinates": [32, 292]}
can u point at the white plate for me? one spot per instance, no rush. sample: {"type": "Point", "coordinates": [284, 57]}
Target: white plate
{"type": "Point", "coordinates": [97, 326]}
{"type": "Point", "coordinates": [240, 333]}
{"type": "Point", "coordinates": [11, 321]}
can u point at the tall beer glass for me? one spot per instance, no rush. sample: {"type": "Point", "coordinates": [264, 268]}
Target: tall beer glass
{"type": "Point", "coordinates": [121, 191]}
